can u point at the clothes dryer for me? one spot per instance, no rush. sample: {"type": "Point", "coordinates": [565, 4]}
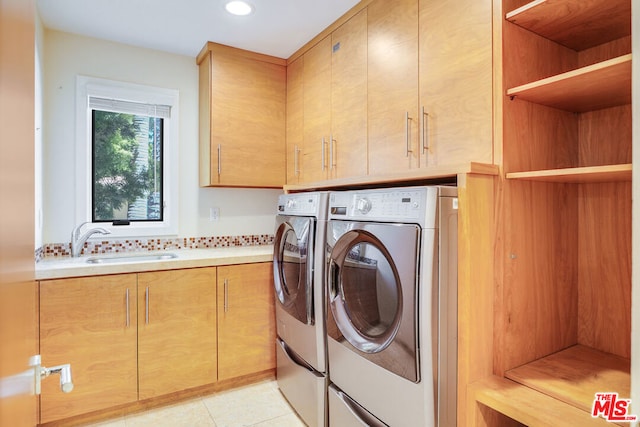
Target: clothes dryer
{"type": "Point", "coordinates": [391, 292]}
{"type": "Point", "coordinates": [298, 270]}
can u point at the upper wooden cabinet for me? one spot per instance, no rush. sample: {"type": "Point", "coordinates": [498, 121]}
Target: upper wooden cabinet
{"type": "Point", "coordinates": [242, 98]}
{"type": "Point", "coordinates": [316, 83]}
{"type": "Point", "coordinates": [295, 118]}
{"type": "Point", "coordinates": [90, 323]}
{"type": "Point", "coordinates": [396, 86]}
{"type": "Point", "coordinates": [332, 89]}
{"type": "Point", "coordinates": [430, 84]}
{"type": "Point", "coordinates": [348, 138]}
{"type": "Point", "coordinates": [456, 86]}
{"type": "Point", "coordinates": [176, 330]}
{"type": "Point", "coordinates": [393, 86]}
{"type": "Point", "coordinates": [246, 320]}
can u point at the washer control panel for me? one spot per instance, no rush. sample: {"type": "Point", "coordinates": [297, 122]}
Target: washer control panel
{"type": "Point", "coordinates": [299, 204]}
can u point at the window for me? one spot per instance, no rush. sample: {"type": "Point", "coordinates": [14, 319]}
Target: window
{"type": "Point", "coordinates": [127, 148]}
{"type": "Point", "coordinates": [126, 161]}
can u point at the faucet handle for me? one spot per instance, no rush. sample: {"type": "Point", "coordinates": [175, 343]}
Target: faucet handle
{"type": "Point", "coordinates": [76, 230]}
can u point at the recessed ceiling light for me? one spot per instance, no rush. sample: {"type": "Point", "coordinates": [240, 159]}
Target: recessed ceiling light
{"type": "Point", "coordinates": [240, 8]}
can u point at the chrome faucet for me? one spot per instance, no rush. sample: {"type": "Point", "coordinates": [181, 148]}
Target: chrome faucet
{"type": "Point", "coordinates": [78, 240]}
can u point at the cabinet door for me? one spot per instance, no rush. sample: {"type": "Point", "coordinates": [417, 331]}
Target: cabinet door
{"type": "Point", "coordinates": [176, 330]}
{"type": "Point", "coordinates": [455, 82]}
{"type": "Point", "coordinates": [89, 322]}
{"type": "Point", "coordinates": [317, 111]}
{"type": "Point", "coordinates": [393, 85]}
{"type": "Point", "coordinates": [246, 145]}
{"type": "Point", "coordinates": [246, 320]}
{"type": "Point", "coordinates": [295, 118]}
{"type": "Point", "coordinates": [208, 157]}
{"type": "Point", "coordinates": [348, 145]}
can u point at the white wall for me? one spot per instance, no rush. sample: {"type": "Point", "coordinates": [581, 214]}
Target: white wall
{"type": "Point", "coordinates": [38, 157]}
{"type": "Point", "coordinates": [242, 211]}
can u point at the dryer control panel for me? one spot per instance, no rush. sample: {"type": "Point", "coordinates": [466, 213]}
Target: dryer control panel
{"type": "Point", "coordinates": [395, 205]}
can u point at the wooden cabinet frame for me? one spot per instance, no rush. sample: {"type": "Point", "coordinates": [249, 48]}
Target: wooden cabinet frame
{"type": "Point", "coordinates": [137, 340]}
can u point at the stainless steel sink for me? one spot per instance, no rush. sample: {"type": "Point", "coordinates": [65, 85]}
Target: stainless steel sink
{"type": "Point", "coordinates": [111, 259]}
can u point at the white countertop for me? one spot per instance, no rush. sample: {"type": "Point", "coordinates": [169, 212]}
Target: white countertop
{"type": "Point", "coordinates": [57, 268]}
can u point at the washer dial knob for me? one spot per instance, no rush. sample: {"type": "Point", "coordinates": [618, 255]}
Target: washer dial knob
{"type": "Point", "coordinates": [291, 203]}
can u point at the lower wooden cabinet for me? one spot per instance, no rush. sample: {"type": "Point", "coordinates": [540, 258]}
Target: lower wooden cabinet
{"type": "Point", "coordinates": [130, 337]}
{"type": "Point", "coordinates": [246, 320]}
{"type": "Point", "coordinates": [89, 322]}
{"type": "Point", "coordinates": [176, 330]}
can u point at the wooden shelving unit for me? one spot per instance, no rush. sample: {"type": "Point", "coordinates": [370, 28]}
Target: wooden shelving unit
{"type": "Point", "coordinates": [577, 24]}
{"type": "Point", "coordinates": [581, 175]}
{"type": "Point", "coordinates": [554, 346]}
{"type": "Point", "coordinates": [602, 85]}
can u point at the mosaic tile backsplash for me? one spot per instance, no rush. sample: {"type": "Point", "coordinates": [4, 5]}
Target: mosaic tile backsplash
{"type": "Point", "coordinates": [143, 245]}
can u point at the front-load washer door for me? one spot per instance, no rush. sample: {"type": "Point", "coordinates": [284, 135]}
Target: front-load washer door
{"type": "Point", "coordinates": [372, 292]}
{"type": "Point", "coordinates": [292, 266]}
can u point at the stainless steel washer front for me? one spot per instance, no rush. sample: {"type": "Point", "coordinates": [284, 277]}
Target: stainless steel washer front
{"type": "Point", "coordinates": [298, 272]}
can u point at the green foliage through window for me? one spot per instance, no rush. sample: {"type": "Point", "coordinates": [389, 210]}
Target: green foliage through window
{"type": "Point", "coordinates": [127, 167]}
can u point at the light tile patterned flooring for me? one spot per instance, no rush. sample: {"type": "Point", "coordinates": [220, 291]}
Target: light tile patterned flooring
{"type": "Point", "coordinates": [259, 405]}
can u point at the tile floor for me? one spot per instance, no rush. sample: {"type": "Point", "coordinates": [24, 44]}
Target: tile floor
{"type": "Point", "coordinates": [259, 405]}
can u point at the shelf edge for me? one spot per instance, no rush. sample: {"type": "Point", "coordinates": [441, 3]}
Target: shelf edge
{"type": "Point", "coordinates": [609, 173]}
{"type": "Point", "coordinates": [524, 8]}
{"type": "Point", "coordinates": [514, 91]}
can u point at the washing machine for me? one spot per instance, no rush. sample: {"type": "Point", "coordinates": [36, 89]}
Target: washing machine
{"type": "Point", "coordinates": [392, 306]}
{"type": "Point", "coordinates": [298, 270]}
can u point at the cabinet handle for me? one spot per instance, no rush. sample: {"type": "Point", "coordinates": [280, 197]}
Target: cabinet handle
{"type": "Point", "coordinates": [146, 306]}
{"type": "Point", "coordinates": [406, 131]}
{"type": "Point", "coordinates": [219, 159]}
{"type": "Point", "coordinates": [425, 135]}
{"type": "Point", "coordinates": [226, 295]}
{"type": "Point", "coordinates": [331, 142]}
{"type": "Point", "coordinates": [323, 155]}
{"type": "Point", "coordinates": [128, 322]}
{"type": "Point", "coordinates": [296, 159]}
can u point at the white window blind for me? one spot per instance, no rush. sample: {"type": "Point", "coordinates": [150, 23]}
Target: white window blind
{"type": "Point", "coordinates": [128, 107]}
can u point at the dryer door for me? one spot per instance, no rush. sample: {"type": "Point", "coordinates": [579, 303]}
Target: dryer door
{"type": "Point", "coordinates": [292, 266]}
{"type": "Point", "coordinates": [372, 293]}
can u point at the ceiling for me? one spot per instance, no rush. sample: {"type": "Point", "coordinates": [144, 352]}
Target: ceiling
{"type": "Point", "coordinates": [276, 27]}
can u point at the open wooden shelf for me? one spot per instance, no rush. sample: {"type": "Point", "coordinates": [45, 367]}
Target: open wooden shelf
{"type": "Point", "coordinates": [575, 375]}
{"type": "Point", "coordinates": [590, 174]}
{"type": "Point", "coordinates": [528, 406]}
{"type": "Point", "coordinates": [576, 24]}
{"type": "Point", "coordinates": [557, 390]}
{"type": "Point", "coordinates": [602, 85]}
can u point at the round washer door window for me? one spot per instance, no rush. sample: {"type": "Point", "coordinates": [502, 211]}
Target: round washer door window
{"type": "Point", "coordinates": [365, 294]}
{"type": "Point", "coordinates": [290, 269]}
